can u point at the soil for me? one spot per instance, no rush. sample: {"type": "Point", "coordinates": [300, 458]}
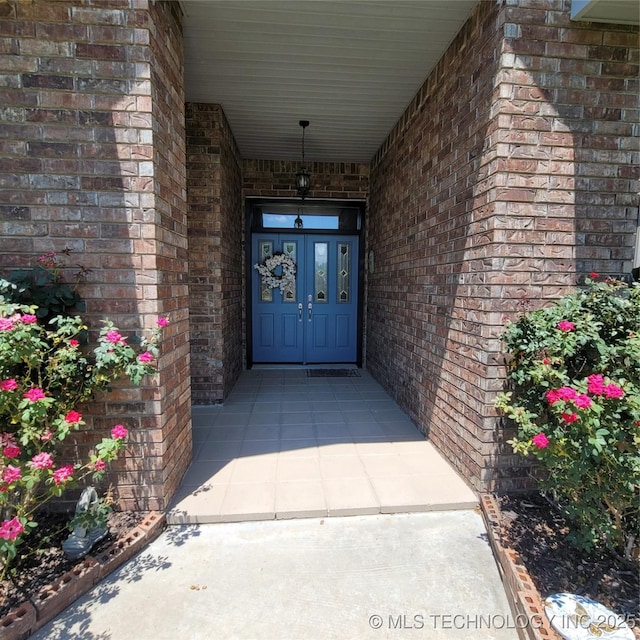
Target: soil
{"type": "Point", "coordinates": [537, 530]}
{"type": "Point", "coordinates": [43, 561]}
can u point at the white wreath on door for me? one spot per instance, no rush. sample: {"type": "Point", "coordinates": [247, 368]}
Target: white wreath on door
{"type": "Point", "coordinates": [267, 269]}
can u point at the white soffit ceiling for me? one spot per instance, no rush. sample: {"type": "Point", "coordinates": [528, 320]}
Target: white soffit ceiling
{"type": "Point", "coordinates": [614, 11]}
{"type": "Point", "coordinates": [350, 67]}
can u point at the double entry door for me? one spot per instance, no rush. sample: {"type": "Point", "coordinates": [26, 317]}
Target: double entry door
{"type": "Point", "coordinates": [314, 319]}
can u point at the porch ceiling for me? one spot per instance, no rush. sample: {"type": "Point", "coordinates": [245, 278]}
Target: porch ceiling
{"type": "Point", "coordinates": [350, 67]}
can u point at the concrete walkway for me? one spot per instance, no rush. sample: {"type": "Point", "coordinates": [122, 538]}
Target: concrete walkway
{"type": "Point", "coordinates": [252, 554]}
{"type": "Point", "coordinates": [425, 575]}
{"type": "Point", "coordinates": [286, 445]}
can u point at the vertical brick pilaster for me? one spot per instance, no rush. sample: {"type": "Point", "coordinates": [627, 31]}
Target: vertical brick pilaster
{"type": "Point", "coordinates": [92, 159]}
{"type": "Point", "coordinates": [170, 225]}
{"type": "Point", "coordinates": [215, 253]}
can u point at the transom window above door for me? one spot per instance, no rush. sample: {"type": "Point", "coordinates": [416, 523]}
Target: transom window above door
{"type": "Point", "coordinates": [288, 221]}
{"type": "Point", "coordinates": [287, 216]}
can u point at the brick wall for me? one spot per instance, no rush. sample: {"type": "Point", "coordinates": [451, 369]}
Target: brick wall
{"type": "Point", "coordinates": [276, 178]}
{"type": "Point", "coordinates": [567, 143]}
{"type": "Point", "coordinates": [90, 158]}
{"type": "Point", "coordinates": [510, 174]}
{"type": "Point", "coordinates": [216, 229]}
{"type": "Point", "coordinates": [170, 226]}
{"type": "Point", "coordinates": [567, 163]}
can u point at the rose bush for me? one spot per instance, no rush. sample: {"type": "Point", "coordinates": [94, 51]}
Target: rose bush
{"type": "Point", "coordinates": [44, 286]}
{"type": "Point", "coordinates": [45, 377]}
{"type": "Point", "coordinates": [573, 380]}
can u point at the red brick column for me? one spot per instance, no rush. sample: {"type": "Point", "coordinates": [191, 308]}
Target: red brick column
{"type": "Point", "coordinates": [216, 227]}
{"type": "Point", "coordinates": [520, 179]}
{"type": "Point", "coordinates": [92, 158]}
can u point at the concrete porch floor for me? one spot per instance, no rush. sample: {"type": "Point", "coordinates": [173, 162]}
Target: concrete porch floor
{"type": "Point", "coordinates": [285, 445]}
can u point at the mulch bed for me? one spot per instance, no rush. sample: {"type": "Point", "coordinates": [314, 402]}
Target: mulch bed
{"type": "Point", "coordinates": [534, 528]}
{"type": "Point", "coordinates": [43, 561]}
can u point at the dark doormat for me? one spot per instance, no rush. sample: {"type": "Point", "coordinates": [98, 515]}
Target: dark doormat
{"type": "Point", "coordinates": [333, 373]}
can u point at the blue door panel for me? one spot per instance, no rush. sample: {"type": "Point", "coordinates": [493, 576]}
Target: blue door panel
{"type": "Point", "coordinates": [266, 331]}
{"type": "Point", "coordinates": [335, 304]}
{"type": "Point", "coordinates": [289, 333]}
{"type": "Point", "coordinates": [319, 325]}
{"type": "Point", "coordinates": [319, 328]}
{"type": "Point", "coordinates": [343, 337]}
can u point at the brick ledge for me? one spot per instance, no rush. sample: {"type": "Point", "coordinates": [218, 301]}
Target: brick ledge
{"type": "Point", "coordinates": [33, 614]}
{"type": "Point", "coordinates": [524, 599]}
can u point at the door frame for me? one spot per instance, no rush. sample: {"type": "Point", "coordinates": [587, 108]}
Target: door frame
{"type": "Point", "coordinates": [253, 207]}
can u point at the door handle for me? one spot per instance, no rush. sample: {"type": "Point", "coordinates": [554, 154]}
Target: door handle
{"type": "Point", "coordinates": [309, 309]}
{"type": "Point", "coordinates": [300, 312]}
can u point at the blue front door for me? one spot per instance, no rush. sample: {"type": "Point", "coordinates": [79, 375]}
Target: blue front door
{"type": "Point", "coordinates": [315, 319]}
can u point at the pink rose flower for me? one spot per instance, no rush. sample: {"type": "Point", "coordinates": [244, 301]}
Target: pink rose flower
{"type": "Point", "coordinates": [163, 321]}
{"type": "Point", "coordinates": [565, 325]}
{"type": "Point", "coordinates": [595, 384]}
{"type": "Point", "coordinates": [145, 357]}
{"type": "Point", "coordinates": [540, 440]}
{"type": "Point", "coordinates": [583, 401]}
{"type": "Point", "coordinates": [114, 337]}
{"type": "Point", "coordinates": [48, 259]}
{"type": "Point", "coordinates": [6, 324]}
{"type": "Point", "coordinates": [593, 275]}
{"type": "Point", "coordinates": [567, 393]}
{"type": "Point", "coordinates": [47, 436]}
{"type": "Point", "coordinates": [11, 474]}
{"type": "Point", "coordinates": [73, 342]}
{"type": "Point", "coordinates": [34, 394]}
{"type": "Point", "coordinates": [570, 417]}
{"type": "Point", "coordinates": [63, 474]}
{"type": "Point", "coordinates": [119, 432]}
{"type": "Point", "coordinates": [73, 417]}
{"type": "Point", "coordinates": [28, 318]}
{"type": "Point", "coordinates": [613, 391]}
{"type": "Point", "coordinates": [546, 360]}
{"type": "Point", "coordinates": [99, 465]}
{"type": "Point", "coordinates": [552, 396]}
{"type": "Point", "coordinates": [7, 438]}
{"type": "Point", "coordinates": [11, 529]}
{"type": "Point", "coordinates": [11, 451]}
{"type": "Point", "coordinates": [8, 385]}
{"type": "Point", "coordinates": [42, 461]}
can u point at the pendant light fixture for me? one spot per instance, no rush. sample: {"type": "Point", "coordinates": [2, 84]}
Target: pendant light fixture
{"type": "Point", "coordinates": [303, 179]}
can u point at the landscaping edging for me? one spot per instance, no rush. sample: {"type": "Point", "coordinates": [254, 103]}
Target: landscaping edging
{"type": "Point", "coordinates": [26, 619]}
{"type": "Point", "coordinates": [524, 599]}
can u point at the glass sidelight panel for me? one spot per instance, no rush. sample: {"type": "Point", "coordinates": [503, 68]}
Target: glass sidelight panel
{"type": "Point", "coordinates": [320, 269]}
{"type": "Point", "coordinates": [289, 249]}
{"type": "Point", "coordinates": [343, 272]}
{"type": "Point", "coordinates": [266, 250]}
